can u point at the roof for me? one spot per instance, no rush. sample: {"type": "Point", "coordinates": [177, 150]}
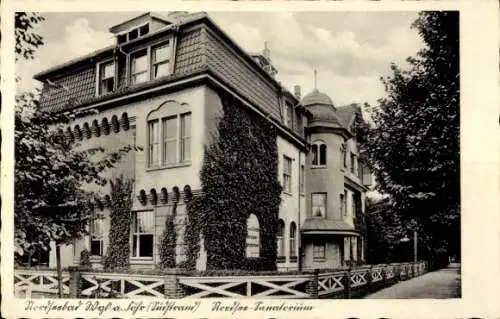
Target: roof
{"type": "Point", "coordinates": [316, 97]}
{"type": "Point", "coordinates": [316, 226]}
{"type": "Point", "coordinates": [41, 76]}
{"type": "Point", "coordinates": [152, 15]}
{"type": "Point", "coordinates": [311, 224]}
{"type": "Point", "coordinates": [347, 112]}
{"type": "Point", "coordinates": [190, 18]}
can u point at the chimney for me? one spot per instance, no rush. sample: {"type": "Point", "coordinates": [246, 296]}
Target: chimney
{"type": "Point", "coordinates": [266, 52]}
{"type": "Point", "coordinates": [296, 91]}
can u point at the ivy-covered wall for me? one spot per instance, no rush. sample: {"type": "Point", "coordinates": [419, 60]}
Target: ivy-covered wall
{"type": "Point", "coordinates": [239, 177]}
{"type": "Point", "coordinates": [118, 254]}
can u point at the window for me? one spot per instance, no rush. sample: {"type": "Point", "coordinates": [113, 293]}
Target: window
{"type": "Point", "coordinates": [175, 146]}
{"type": "Point", "coordinates": [139, 67]}
{"type": "Point", "coordinates": [161, 60]}
{"type": "Point", "coordinates": [288, 115]}
{"type": "Point", "coordinates": [143, 30]}
{"type": "Point", "coordinates": [318, 204]}
{"type": "Point", "coordinates": [354, 203]}
{"type": "Point", "coordinates": [318, 154]}
{"type": "Point", "coordinates": [345, 203]}
{"type": "Point", "coordinates": [319, 251]}
{"type": "Point", "coordinates": [287, 174]}
{"type": "Point", "coordinates": [253, 237]}
{"type": "Point", "coordinates": [344, 155]}
{"type": "Point", "coordinates": [281, 241]}
{"type": "Point", "coordinates": [142, 234]}
{"type": "Point", "coordinates": [293, 241]}
{"type": "Point", "coordinates": [302, 179]}
{"type": "Point", "coordinates": [342, 210]}
{"type": "Point", "coordinates": [169, 140]}
{"type": "Point", "coordinates": [106, 77]}
{"type": "Point", "coordinates": [97, 237]}
{"type": "Point", "coordinates": [153, 128]}
{"type": "Point", "coordinates": [353, 163]}
{"type": "Point", "coordinates": [185, 137]}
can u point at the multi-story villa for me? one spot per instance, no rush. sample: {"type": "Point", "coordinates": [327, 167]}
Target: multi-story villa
{"type": "Point", "coordinates": [161, 88]}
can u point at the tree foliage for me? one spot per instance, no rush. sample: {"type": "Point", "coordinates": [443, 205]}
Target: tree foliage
{"type": "Point", "coordinates": [51, 170]}
{"type": "Point", "coordinates": [414, 146]}
{"type": "Point", "coordinates": [27, 41]}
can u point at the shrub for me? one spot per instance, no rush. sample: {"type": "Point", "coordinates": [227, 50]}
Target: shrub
{"type": "Point", "coordinates": [85, 259]}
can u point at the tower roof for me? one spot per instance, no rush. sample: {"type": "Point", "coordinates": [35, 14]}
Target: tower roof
{"type": "Point", "coordinates": [315, 98]}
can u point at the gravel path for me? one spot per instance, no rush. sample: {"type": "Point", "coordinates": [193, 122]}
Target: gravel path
{"type": "Point", "coordinates": [441, 284]}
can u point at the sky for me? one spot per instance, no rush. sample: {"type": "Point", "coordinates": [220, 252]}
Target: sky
{"type": "Point", "coordinates": [350, 50]}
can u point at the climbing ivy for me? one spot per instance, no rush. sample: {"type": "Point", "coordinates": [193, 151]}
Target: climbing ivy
{"type": "Point", "coordinates": [239, 178]}
{"type": "Point", "coordinates": [118, 254]}
{"type": "Point", "coordinates": [168, 242]}
{"type": "Point", "coordinates": [193, 229]}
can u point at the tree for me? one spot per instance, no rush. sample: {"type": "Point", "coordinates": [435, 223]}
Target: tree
{"type": "Point", "coordinates": [51, 169]}
{"type": "Point", "coordinates": [414, 145]}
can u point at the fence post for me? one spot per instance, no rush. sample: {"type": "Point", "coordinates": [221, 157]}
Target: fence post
{"type": "Point", "coordinates": [347, 283]}
{"type": "Point", "coordinates": [74, 282]}
{"type": "Point", "coordinates": [384, 275]}
{"type": "Point", "coordinates": [369, 279]}
{"type": "Point", "coordinates": [312, 285]}
{"type": "Point", "coordinates": [172, 286]}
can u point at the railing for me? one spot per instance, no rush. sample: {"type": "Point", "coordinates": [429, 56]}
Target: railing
{"type": "Point", "coordinates": [246, 286]}
{"type": "Point", "coordinates": [121, 285]}
{"type": "Point", "coordinates": [43, 281]}
{"type": "Point", "coordinates": [344, 283]}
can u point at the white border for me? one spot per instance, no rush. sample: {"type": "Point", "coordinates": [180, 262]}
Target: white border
{"type": "Point", "coordinates": [480, 159]}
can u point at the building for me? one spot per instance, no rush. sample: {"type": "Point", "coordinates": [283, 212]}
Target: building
{"type": "Point", "coordinates": [162, 87]}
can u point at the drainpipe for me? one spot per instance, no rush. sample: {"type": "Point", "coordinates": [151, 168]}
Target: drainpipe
{"type": "Point", "coordinates": [299, 234]}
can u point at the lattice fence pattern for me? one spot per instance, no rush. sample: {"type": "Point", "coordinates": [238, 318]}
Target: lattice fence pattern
{"type": "Point", "coordinates": [246, 286]}
{"type": "Point", "coordinates": [39, 281]}
{"type": "Point", "coordinates": [330, 282]}
{"type": "Point", "coordinates": [126, 285]}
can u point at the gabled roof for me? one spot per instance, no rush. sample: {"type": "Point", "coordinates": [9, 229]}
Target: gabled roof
{"type": "Point", "coordinates": [346, 113]}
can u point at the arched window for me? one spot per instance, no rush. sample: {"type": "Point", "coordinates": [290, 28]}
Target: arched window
{"type": "Point", "coordinates": [253, 237]}
{"type": "Point", "coordinates": [281, 240]}
{"type": "Point", "coordinates": [318, 150]}
{"type": "Point", "coordinates": [293, 241]}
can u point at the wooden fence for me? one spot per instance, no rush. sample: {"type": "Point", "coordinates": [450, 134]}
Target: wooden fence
{"type": "Point", "coordinates": [341, 284]}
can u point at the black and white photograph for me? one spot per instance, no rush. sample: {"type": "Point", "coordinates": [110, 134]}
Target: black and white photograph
{"type": "Point", "coordinates": [264, 155]}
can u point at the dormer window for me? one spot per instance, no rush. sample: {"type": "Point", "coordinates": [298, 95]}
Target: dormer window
{"type": "Point", "coordinates": [144, 30]}
{"type": "Point", "coordinates": [161, 60]}
{"type": "Point", "coordinates": [133, 34]}
{"type": "Point", "coordinates": [106, 77]}
{"type": "Point", "coordinates": [139, 67]}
